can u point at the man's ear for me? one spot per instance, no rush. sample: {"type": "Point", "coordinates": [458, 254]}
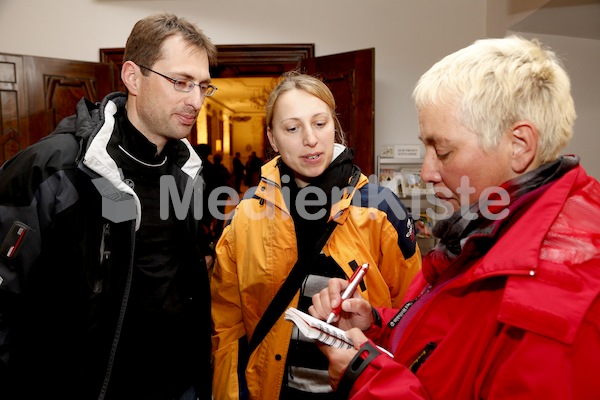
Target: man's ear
{"type": "Point", "coordinates": [129, 75]}
{"type": "Point", "coordinates": [272, 140]}
{"type": "Point", "coordinates": [524, 142]}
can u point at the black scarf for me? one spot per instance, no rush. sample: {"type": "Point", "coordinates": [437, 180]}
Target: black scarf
{"type": "Point", "coordinates": [454, 231]}
{"type": "Point", "coordinates": [337, 174]}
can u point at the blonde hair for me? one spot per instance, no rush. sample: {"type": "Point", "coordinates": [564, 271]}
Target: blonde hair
{"type": "Point", "coordinates": [496, 82]}
{"type": "Point", "coordinates": [310, 84]}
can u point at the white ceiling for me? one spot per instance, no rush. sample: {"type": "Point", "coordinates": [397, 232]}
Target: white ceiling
{"type": "Point", "coordinates": [574, 18]}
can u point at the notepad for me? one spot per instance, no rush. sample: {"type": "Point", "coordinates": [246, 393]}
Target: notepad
{"type": "Point", "coordinates": [314, 328]}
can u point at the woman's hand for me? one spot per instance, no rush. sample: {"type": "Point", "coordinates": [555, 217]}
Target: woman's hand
{"type": "Point", "coordinates": [339, 359]}
{"type": "Point", "coordinates": [356, 311]}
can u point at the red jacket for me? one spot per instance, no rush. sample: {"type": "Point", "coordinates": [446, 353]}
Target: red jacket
{"type": "Point", "coordinates": [522, 322]}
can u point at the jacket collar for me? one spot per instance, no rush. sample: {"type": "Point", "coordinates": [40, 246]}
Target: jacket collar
{"type": "Point", "coordinates": [269, 189]}
{"type": "Point", "coordinates": [95, 125]}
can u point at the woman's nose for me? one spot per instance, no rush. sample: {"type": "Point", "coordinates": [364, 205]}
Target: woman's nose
{"type": "Point", "coordinates": [310, 139]}
{"type": "Point", "coordinates": [429, 170]}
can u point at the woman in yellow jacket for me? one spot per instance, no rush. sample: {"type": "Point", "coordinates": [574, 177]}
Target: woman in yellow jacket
{"type": "Point", "coordinates": [311, 181]}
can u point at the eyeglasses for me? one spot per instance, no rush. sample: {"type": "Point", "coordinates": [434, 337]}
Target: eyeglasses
{"type": "Point", "coordinates": [185, 85]}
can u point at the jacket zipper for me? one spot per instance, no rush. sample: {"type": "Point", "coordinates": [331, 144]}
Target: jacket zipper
{"type": "Point", "coordinates": [120, 320]}
{"type": "Point", "coordinates": [422, 357]}
{"type": "Point", "coordinates": [104, 257]}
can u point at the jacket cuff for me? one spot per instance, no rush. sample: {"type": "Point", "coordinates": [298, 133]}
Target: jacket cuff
{"type": "Point", "coordinates": [361, 360]}
{"type": "Point", "coordinates": [376, 318]}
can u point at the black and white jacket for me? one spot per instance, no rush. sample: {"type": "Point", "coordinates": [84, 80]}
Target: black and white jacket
{"type": "Point", "coordinates": [81, 316]}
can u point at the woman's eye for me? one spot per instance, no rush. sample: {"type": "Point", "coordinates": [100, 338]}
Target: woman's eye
{"type": "Point", "coordinates": [291, 129]}
{"type": "Point", "coordinates": [442, 156]}
{"type": "Point", "coordinates": [320, 124]}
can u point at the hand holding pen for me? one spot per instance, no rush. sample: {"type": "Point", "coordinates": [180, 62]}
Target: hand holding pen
{"type": "Point", "coordinates": [353, 283]}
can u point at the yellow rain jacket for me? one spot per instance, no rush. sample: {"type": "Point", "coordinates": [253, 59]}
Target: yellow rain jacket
{"type": "Point", "coordinates": [248, 274]}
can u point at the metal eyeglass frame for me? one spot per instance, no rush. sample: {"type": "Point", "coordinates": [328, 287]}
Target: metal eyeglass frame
{"type": "Point", "coordinates": [186, 85]}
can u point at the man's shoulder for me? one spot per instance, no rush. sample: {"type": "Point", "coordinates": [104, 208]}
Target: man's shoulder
{"type": "Point", "coordinates": [37, 162]}
{"type": "Point", "coordinates": [55, 147]}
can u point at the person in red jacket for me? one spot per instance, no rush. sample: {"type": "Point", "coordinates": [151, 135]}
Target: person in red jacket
{"type": "Point", "coordinates": [507, 305]}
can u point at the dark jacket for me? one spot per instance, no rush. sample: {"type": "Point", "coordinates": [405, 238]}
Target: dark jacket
{"type": "Point", "coordinates": [78, 318]}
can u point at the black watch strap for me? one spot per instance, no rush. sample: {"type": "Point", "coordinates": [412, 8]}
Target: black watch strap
{"type": "Point", "coordinates": [355, 368]}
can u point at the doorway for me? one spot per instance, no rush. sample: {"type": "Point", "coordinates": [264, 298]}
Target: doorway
{"type": "Point", "coordinates": [233, 120]}
{"type": "Point", "coordinates": [349, 75]}
{"type": "Point", "coordinates": [244, 74]}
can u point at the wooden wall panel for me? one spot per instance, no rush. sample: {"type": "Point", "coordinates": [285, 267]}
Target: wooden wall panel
{"type": "Point", "coordinates": [54, 86]}
{"type": "Point", "coordinates": [37, 92]}
{"type": "Point", "coordinates": [13, 106]}
{"type": "Point", "coordinates": [351, 78]}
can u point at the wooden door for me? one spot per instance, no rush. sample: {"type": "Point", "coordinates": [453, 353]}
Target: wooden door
{"type": "Point", "coordinates": [13, 106]}
{"type": "Point", "coordinates": [350, 76]}
{"type": "Point", "coordinates": [37, 92]}
{"type": "Point", "coordinates": [54, 87]}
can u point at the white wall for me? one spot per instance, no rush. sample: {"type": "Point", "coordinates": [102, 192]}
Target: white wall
{"type": "Point", "coordinates": [408, 37]}
{"type": "Point", "coordinates": [581, 58]}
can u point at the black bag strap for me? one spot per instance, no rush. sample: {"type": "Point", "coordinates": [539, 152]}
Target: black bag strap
{"type": "Point", "coordinates": [292, 283]}
{"type": "Point", "coordinates": [285, 293]}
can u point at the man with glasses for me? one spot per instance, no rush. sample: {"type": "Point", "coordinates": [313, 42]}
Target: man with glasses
{"type": "Point", "coordinates": [104, 290]}
{"type": "Point", "coordinates": [184, 85]}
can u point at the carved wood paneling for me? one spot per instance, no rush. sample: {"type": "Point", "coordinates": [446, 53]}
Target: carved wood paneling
{"type": "Point", "coordinates": [37, 92]}
{"type": "Point", "coordinates": [62, 95]}
{"type": "Point", "coordinates": [55, 86]}
{"type": "Point", "coordinates": [114, 58]}
{"type": "Point", "coordinates": [234, 61]}
{"type": "Point", "coordinates": [13, 106]}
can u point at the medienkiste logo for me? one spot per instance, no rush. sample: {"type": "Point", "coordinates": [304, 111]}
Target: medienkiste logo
{"type": "Point", "coordinates": [117, 206]}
